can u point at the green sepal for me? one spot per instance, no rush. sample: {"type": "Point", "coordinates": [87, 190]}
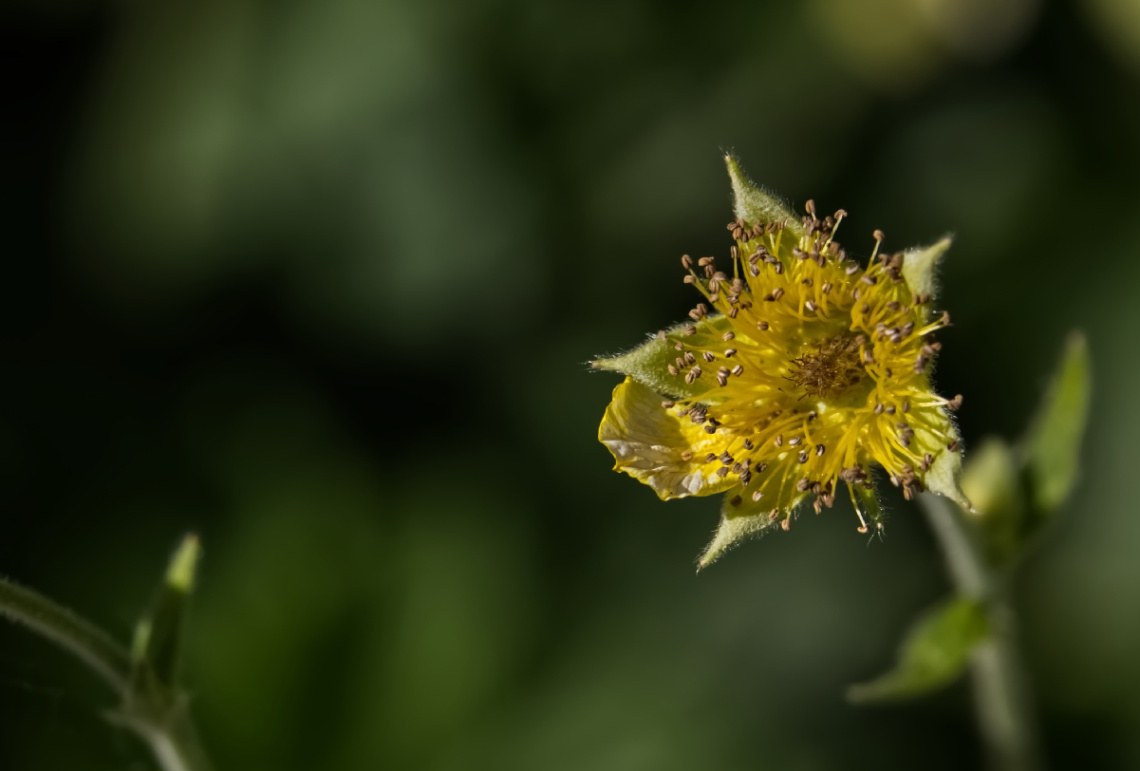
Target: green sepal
{"type": "Point", "coordinates": [1051, 449]}
{"type": "Point", "coordinates": [919, 265]}
{"type": "Point", "coordinates": [750, 518]}
{"type": "Point", "coordinates": [754, 204]}
{"type": "Point", "coordinates": [648, 363]}
{"type": "Point", "coordinates": [156, 645]}
{"type": "Point", "coordinates": [935, 653]}
{"type": "Point", "coordinates": [867, 505]}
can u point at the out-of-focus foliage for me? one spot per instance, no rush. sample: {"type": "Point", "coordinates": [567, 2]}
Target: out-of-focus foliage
{"type": "Point", "coordinates": [935, 652]}
{"type": "Point", "coordinates": [317, 280]}
{"type": "Point", "coordinates": [1014, 493]}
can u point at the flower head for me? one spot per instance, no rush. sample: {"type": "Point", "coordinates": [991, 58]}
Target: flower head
{"type": "Point", "coordinates": [801, 369]}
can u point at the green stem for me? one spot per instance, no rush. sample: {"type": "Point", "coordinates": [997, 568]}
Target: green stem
{"type": "Point", "coordinates": [174, 742]}
{"type": "Point", "coordinates": [80, 637]}
{"type": "Point", "coordinates": [1000, 690]}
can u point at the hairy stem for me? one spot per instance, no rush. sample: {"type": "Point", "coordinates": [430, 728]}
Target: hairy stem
{"type": "Point", "coordinates": [1000, 690]}
{"type": "Point", "coordinates": [81, 638]}
{"type": "Point", "coordinates": [174, 743]}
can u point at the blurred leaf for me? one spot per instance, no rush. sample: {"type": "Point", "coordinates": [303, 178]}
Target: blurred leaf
{"type": "Point", "coordinates": [935, 652]}
{"type": "Point", "coordinates": [1052, 448]}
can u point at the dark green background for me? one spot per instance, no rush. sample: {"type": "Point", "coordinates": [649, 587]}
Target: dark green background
{"type": "Point", "coordinates": [317, 279]}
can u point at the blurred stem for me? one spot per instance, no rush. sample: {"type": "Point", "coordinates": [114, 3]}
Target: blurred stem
{"type": "Point", "coordinates": [1000, 690]}
{"type": "Point", "coordinates": [173, 741]}
{"type": "Point", "coordinates": [75, 634]}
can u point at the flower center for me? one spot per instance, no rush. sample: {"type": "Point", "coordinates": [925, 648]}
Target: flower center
{"type": "Point", "coordinates": [829, 368]}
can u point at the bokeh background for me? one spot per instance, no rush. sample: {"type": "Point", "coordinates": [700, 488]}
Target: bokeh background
{"type": "Point", "coordinates": [318, 279]}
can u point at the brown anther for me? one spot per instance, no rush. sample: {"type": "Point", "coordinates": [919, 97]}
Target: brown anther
{"type": "Point", "coordinates": [710, 457]}
{"type": "Point", "coordinates": [851, 269]}
{"type": "Point", "coordinates": [811, 306]}
{"type": "Point", "coordinates": [786, 524]}
{"type": "Point", "coordinates": [762, 326]}
{"type": "Point", "coordinates": [738, 370]}
{"type": "Point", "coordinates": [733, 311]}
{"type": "Point", "coordinates": [756, 496]}
{"type": "Point", "coordinates": [803, 485]}
{"type": "Point", "coordinates": [686, 262]}
{"type": "Point", "coordinates": [760, 466]}
{"type": "Point", "coordinates": [722, 472]}
{"type": "Point", "coordinates": [807, 281]}
{"type": "Point", "coordinates": [795, 441]}
{"type": "Point", "coordinates": [672, 369]}
{"type": "Point", "coordinates": [687, 455]}
{"type": "Point", "coordinates": [820, 449]}
{"type": "Point", "coordinates": [708, 355]}
{"type": "Point", "coordinates": [689, 279]}
{"type": "Point", "coordinates": [723, 371]}
{"type": "Point", "coordinates": [868, 280]}
{"type": "Point", "coordinates": [779, 440]}
{"type": "Point", "coordinates": [668, 405]}
{"type": "Point", "coordinates": [679, 347]}
{"type": "Point", "coordinates": [689, 357]}
{"type": "Point", "coordinates": [727, 336]}
{"type": "Point", "coordinates": [891, 410]}
{"type": "Point", "coordinates": [826, 289]}
{"type": "Point", "coordinates": [953, 446]}
{"type": "Point", "coordinates": [721, 379]}
{"type": "Point", "coordinates": [725, 458]}
{"type": "Point", "coordinates": [706, 261]}
{"type": "Point", "coordinates": [809, 207]}
{"type": "Point", "coordinates": [748, 444]}
{"type": "Point", "coordinates": [879, 408]}
{"type": "Point", "coordinates": [954, 404]}
{"type": "Point", "coordinates": [803, 457]}
{"type": "Point", "coordinates": [777, 294]}
{"type": "Point", "coordinates": [736, 500]}
{"type": "Point", "coordinates": [690, 330]}
{"type": "Point", "coordinates": [729, 353]}
{"type": "Point", "coordinates": [878, 236]}
{"type": "Point", "coordinates": [906, 405]}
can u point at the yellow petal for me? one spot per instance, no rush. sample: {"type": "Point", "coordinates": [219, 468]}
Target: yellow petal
{"type": "Point", "coordinates": [648, 443]}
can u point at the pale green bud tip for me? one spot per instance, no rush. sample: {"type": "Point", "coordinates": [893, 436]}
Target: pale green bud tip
{"type": "Point", "coordinates": [919, 264]}
{"type": "Point", "coordinates": [141, 640]}
{"type": "Point", "coordinates": [180, 574]}
{"type": "Point", "coordinates": [754, 205]}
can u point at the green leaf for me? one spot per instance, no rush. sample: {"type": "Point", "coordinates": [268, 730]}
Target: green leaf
{"type": "Point", "coordinates": [155, 649]}
{"type": "Point", "coordinates": [936, 651]}
{"type": "Point", "coordinates": [648, 364]}
{"type": "Point", "coordinates": [753, 204]}
{"type": "Point", "coordinates": [1052, 448]}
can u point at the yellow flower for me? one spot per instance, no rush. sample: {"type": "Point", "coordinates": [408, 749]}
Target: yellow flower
{"type": "Point", "coordinates": [802, 368]}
